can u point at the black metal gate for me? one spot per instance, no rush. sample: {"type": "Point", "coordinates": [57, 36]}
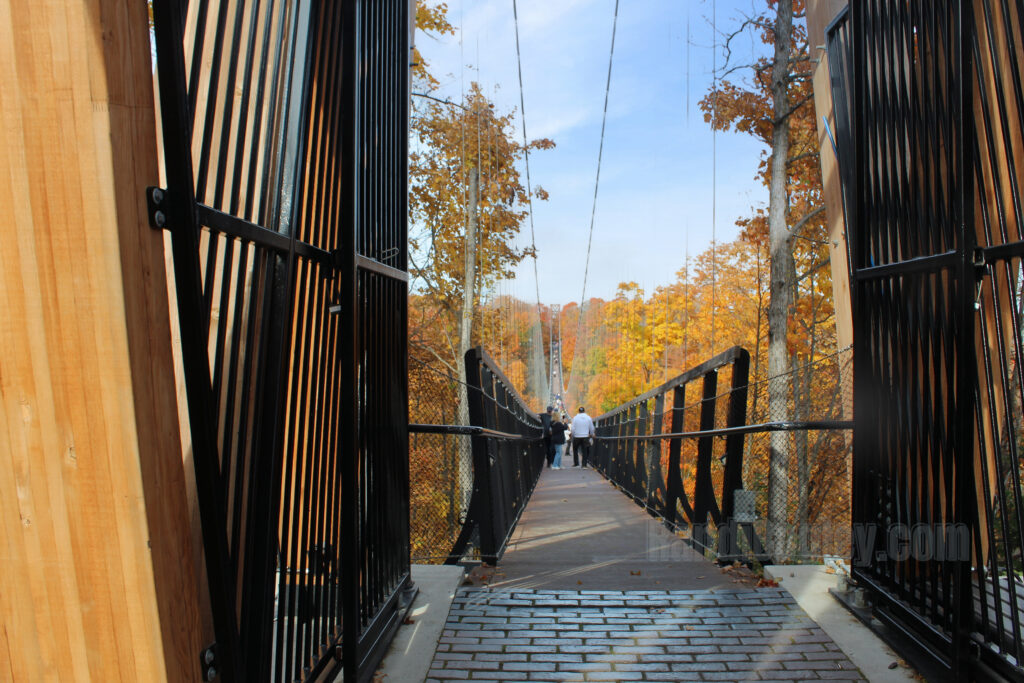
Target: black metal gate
{"type": "Point", "coordinates": [931, 162]}
{"type": "Point", "coordinates": [285, 142]}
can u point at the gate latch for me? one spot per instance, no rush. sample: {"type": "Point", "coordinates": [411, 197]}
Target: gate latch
{"type": "Point", "coordinates": [156, 205]}
{"type": "Point", "coordinates": [208, 662]}
{"type": "Point", "coordinates": [980, 262]}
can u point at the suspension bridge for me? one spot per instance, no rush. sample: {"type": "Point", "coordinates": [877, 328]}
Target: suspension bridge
{"type": "Point", "coordinates": [209, 465]}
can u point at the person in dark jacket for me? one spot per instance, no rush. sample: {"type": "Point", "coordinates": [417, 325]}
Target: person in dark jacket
{"type": "Point", "coordinates": [549, 447]}
{"type": "Point", "coordinates": [558, 430]}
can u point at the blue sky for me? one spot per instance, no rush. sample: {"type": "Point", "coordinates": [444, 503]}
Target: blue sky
{"type": "Point", "coordinates": [655, 195]}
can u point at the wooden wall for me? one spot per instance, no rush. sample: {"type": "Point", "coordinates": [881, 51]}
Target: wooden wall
{"type": "Point", "coordinates": [820, 14]}
{"type": "Point", "coordinates": [96, 555]}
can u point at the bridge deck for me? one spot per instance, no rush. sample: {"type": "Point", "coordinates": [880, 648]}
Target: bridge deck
{"type": "Point", "coordinates": [593, 589]}
{"type": "Point", "coordinates": [581, 533]}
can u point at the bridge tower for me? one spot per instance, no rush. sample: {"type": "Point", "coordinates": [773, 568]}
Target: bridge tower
{"type": "Point", "coordinates": [557, 383]}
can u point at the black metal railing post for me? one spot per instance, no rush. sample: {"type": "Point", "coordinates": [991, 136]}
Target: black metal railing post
{"type": "Point", "coordinates": [481, 385]}
{"type": "Point", "coordinates": [632, 451]}
{"type": "Point", "coordinates": [674, 485]}
{"type": "Point", "coordinates": [655, 483]}
{"type": "Point", "coordinates": [732, 477]}
{"type": "Point", "coordinates": [641, 453]}
{"type": "Point", "coordinates": [704, 490]}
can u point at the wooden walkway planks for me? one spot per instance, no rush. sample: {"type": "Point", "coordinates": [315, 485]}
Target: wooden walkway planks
{"type": "Point", "coordinates": [581, 533]}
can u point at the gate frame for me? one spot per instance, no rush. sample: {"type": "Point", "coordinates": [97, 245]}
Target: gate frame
{"type": "Point", "coordinates": [368, 618]}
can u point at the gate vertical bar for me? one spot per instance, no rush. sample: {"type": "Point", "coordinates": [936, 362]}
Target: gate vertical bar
{"type": "Point", "coordinates": [966, 510]}
{"type": "Point", "coordinates": [169, 39]}
{"type": "Point", "coordinates": [259, 573]}
{"type": "Point", "coordinates": [349, 335]}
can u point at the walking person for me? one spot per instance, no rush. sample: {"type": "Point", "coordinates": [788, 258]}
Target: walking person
{"type": "Point", "coordinates": [558, 430]}
{"type": "Point", "coordinates": [582, 436]}
{"type": "Point", "coordinates": [549, 448]}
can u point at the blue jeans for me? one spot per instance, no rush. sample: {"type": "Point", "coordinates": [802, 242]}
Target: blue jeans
{"type": "Point", "coordinates": [559, 447]}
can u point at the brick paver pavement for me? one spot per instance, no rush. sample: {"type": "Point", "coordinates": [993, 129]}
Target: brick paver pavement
{"type": "Point", "coordinates": [642, 635]}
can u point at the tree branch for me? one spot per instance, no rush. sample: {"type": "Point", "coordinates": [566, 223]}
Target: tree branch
{"type": "Point", "coordinates": [818, 266]}
{"type": "Point", "coordinates": [795, 230]}
{"type": "Point", "coordinates": [438, 99]}
{"type": "Point", "coordinates": [799, 157]}
{"type": "Point", "coordinates": [435, 355]}
{"type": "Point", "coordinates": [792, 110]}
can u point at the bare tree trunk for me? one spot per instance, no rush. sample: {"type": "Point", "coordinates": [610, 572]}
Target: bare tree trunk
{"type": "Point", "coordinates": [802, 407]}
{"type": "Point", "coordinates": [466, 326]}
{"type": "Point", "coordinates": [801, 402]}
{"type": "Point", "coordinates": [781, 288]}
{"type": "Point", "coordinates": [754, 416]}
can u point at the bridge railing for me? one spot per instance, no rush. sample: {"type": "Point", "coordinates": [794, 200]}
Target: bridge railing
{"type": "Point", "coordinates": [696, 452]}
{"type": "Point", "coordinates": [475, 479]}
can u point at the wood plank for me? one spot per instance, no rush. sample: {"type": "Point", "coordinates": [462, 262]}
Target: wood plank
{"type": "Point", "coordinates": [819, 14]}
{"type": "Point", "coordinates": [98, 581]}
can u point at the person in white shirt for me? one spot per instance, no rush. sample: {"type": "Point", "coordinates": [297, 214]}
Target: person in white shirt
{"type": "Point", "coordinates": [582, 436]}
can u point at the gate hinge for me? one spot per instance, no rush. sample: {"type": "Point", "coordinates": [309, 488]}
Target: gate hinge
{"type": "Point", "coordinates": [156, 206]}
{"type": "Point", "coordinates": [208, 662]}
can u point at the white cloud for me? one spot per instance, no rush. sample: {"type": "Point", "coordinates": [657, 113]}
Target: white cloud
{"type": "Point", "coordinates": [554, 123]}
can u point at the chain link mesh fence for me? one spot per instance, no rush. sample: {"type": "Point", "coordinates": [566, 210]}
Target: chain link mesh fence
{"type": "Point", "coordinates": [800, 481]}
{"type": "Point", "coordinates": [440, 465]}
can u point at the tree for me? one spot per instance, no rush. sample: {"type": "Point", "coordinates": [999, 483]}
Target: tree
{"type": "Point", "coordinates": [466, 207]}
{"type": "Point", "coordinates": [775, 108]}
{"type": "Point", "coordinates": [431, 21]}
{"type": "Point", "coordinates": [468, 203]}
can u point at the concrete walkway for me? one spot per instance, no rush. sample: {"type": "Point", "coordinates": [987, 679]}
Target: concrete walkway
{"type": "Point", "coordinates": [594, 589]}
{"type": "Point", "coordinates": [410, 653]}
{"type": "Point", "coordinates": [810, 585]}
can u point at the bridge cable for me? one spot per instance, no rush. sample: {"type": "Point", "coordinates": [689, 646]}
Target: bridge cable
{"type": "Point", "coordinates": [593, 209]}
{"type": "Point", "coordinates": [714, 167]}
{"type": "Point", "coordinates": [526, 154]}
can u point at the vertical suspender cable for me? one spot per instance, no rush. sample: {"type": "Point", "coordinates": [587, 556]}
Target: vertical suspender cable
{"type": "Point", "coordinates": [526, 156]}
{"type": "Point", "coordinates": [462, 129]}
{"type": "Point", "coordinates": [714, 166]}
{"type": "Point", "coordinates": [593, 208]}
